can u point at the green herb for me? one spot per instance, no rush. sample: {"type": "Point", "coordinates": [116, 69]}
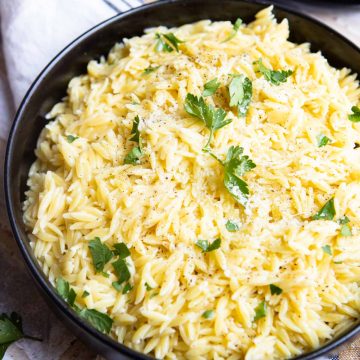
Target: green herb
{"type": "Point", "coordinates": [71, 138]}
{"type": "Point", "coordinates": [273, 76]}
{"type": "Point", "coordinates": [116, 286]}
{"type": "Point", "coordinates": [210, 87]}
{"type": "Point", "coordinates": [127, 288]}
{"type": "Point", "coordinates": [236, 28]}
{"type": "Point", "coordinates": [275, 290]}
{"type": "Point", "coordinates": [133, 157]}
{"type": "Point", "coordinates": [105, 274]}
{"type": "Point", "coordinates": [154, 294]}
{"type": "Point", "coordinates": [327, 212]}
{"type": "Point", "coordinates": [97, 319]}
{"type": "Point", "coordinates": [148, 287]}
{"type": "Point", "coordinates": [232, 226]}
{"type": "Point", "coordinates": [327, 249]}
{"type": "Point", "coordinates": [260, 311]}
{"type": "Point", "coordinates": [167, 42]}
{"type": "Point", "coordinates": [338, 262]}
{"type": "Point", "coordinates": [240, 91]}
{"type": "Point", "coordinates": [150, 69]}
{"type": "Point", "coordinates": [355, 116]}
{"type": "Point", "coordinates": [135, 130]}
{"type": "Point", "coordinates": [208, 314]}
{"type": "Point", "coordinates": [206, 246]}
{"type": "Point", "coordinates": [100, 253]}
{"type": "Point", "coordinates": [322, 140]}
{"type": "Point", "coordinates": [121, 250]}
{"type": "Point", "coordinates": [214, 119]}
{"type": "Point", "coordinates": [85, 294]}
{"type": "Point", "coordinates": [346, 230]}
{"type": "Point", "coordinates": [65, 291]}
{"type": "Point", "coordinates": [121, 270]}
{"type": "Point", "coordinates": [11, 331]}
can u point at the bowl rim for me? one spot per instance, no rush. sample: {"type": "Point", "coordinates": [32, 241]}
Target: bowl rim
{"type": "Point", "coordinates": [37, 273]}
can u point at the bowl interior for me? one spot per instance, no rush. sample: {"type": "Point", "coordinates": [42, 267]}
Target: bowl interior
{"type": "Point", "coordinates": [51, 85]}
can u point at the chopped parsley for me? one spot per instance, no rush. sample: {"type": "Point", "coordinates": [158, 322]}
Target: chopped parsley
{"type": "Point", "coordinates": [150, 69]}
{"type": "Point", "coordinates": [232, 226]}
{"type": "Point", "coordinates": [323, 140]}
{"type": "Point", "coordinates": [121, 270]}
{"type": "Point", "coordinates": [85, 294]}
{"type": "Point", "coordinates": [116, 286]}
{"type": "Point", "coordinates": [97, 319]}
{"type": "Point", "coordinates": [260, 311]}
{"type": "Point", "coordinates": [208, 314]}
{"type": "Point", "coordinates": [133, 157]}
{"type": "Point", "coordinates": [275, 77]}
{"type": "Point", "coordinates": [167, 42]}
{"type": "Point", "coordinates": [127, 288]}
{"type": "Point", "coordinates": [235, 30]}
{"type": "Point", "coordinates": [100, 253]}
{"type": "Point", "coordinates": [121, 250]}
{"type": "Point", "coordinates": [327, 212]}
{"type": "Point", "coordinates": [71, 138]}
{"type": "Point", "coordinates": [240, 91]}
{"type": "Point", "coordinates": [213, 118]}
{"type": "Point", "coordinates": [11, 331]}
{"type": "Point", "coordinates": [345, 229]}
{"type": "Point", "coordinates": [206, 246]}
{"type": "Point", "coordinates": [210, 87]}
{"type": "Point", "coordinates": [327, 249]}
{"type": "Point", "coordinates": [148, 287]}
{"type": "Point", "coordinates": [355, 116]}
{"type": "Point", "coordinates": [275, 290]}
{"type": "Point", "coordinates": [65, 291]}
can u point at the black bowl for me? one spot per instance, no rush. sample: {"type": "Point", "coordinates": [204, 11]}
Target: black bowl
{"type": "Point", "coordinates": [50, 87]}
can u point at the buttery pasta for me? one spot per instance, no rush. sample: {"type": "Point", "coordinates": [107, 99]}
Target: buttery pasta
{"type": "Point", "coordinates": [185, 303]}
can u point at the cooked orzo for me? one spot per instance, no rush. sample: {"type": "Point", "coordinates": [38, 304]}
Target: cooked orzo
{"type": "Point", "coordinates": [196, 194]}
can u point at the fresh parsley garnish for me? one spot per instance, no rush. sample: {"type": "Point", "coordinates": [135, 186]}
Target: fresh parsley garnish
{"type": "Point", "coordinates": [133, 157]}
{"type": "Point", "coordinates": [213, 118]}
{"type": "Point", "coordinates": [116, 286]}
{"type": "Point", "coordinates": [11, 331]}
{"type": "Point", "coordinates": [327, 249]}
{"type": "Point", "coordinates": [121, 250]}
{"type": "Point", "coordinates": [148, 287]}
{"type": "Point", "coordinates": [100, 253]}
{"type": "Point", "coordinates": [65, 291]}
{"type": "Point", "coordinates": [327, 212]}
{"type": "Point", "coordinates": [150, 69]}
{"type": "Point", "coordinates": [260, 311]}
{"type": "Point", "coordinates": [322, 140]}
{"type": "Point", "coordinates": [206, 246]}
{"type": "Point", "coordinates": [71, 138]}
{"type": "Point", "coordinates": [275, 77]}
{"type": "Point", "coordinates": [85, 294]}
{"type": "Point", "coordinates": [240, 91]}
{"type": "Point", "coordinates": [208, 314]}
{"type": "Point", "coordinates": [355, 116]}
{"type": "Point", "coordinates": [235, 29]}
{"type": "Point", "coordinates": [275, 290]}
{"type": "Point", "coordinates": [232, 226]}
{"type": "Point", "coordinates": [167, 42]}
{"type": "Point", "coordinates": [345, 229]}
{"type": "Point", "coordinates": [127, 288]}
{"type": "Point", "coordinates": [135, 130]}
{"type": "Point", "coordinates": [210, 87]}
{"type": "Point", "coordinates": [97, 319]}
{"type": "Point", "coordinates": [121, 270]}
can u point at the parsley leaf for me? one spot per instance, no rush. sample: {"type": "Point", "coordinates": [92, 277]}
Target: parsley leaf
{"type": "Point", "coordinates": [355, 116]}
{"type": "Point", "coordinates": [206, 246]}
{"type": "Point", "coordinates": [121, 270]}
{"type": "Point", "coordinates": [71, 138]}
{"type": "Point", "coordinates": [260, 311]}
{"type": "Point", "coordinates": [121, 250]}
{"type": "Point", "coordinates": [133, 157]}
{"type": "Point", "coordinates": [273, 76]}
{"type": "Point", "coordinates": [97, 319]}
{"type": "Point", "coordinates": [240, 90]}
{"type": "Point", "coordinates": [322, 140]}
{"type": "Point", "coordinates": [236, 165]}
{"type": "Point", "coordinates": [208, 314]}
{"type": "Point", "coordinates": [135, 130]}
{"type": "Point", "coordinates": [327, 249]}
{"type": "Point", "coordinates": [327, 212]}
{"type": "Point", "coordinates": [214, 119]}
{"type": "Point", "coordinates": [85, 294]}
{"type": "Point", "coordinates": [275, 290]}
{"type": "Point", "coordinates": [100, 253]}
{"type": "Point", "coordinates": [210, 87]}
{"type": "Point", "coordinates": [150, 69]}
{"type": "Point", "coordinates": [167, 42]}
{"type": "Point", "coordinates": [232, 226]}
{"type": "Point", "coordinates": [65, 291]}
{"type": "Point", "coordinates": [236, 28]}
{"type": "Point", "coordinates": [148, 287]}
{"type": "Point", "coordinates": [127, 288]}
{"type": "Point", "coordinates": [345, 229]}
{"type": "Point", "coordinates": [116, 286]}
